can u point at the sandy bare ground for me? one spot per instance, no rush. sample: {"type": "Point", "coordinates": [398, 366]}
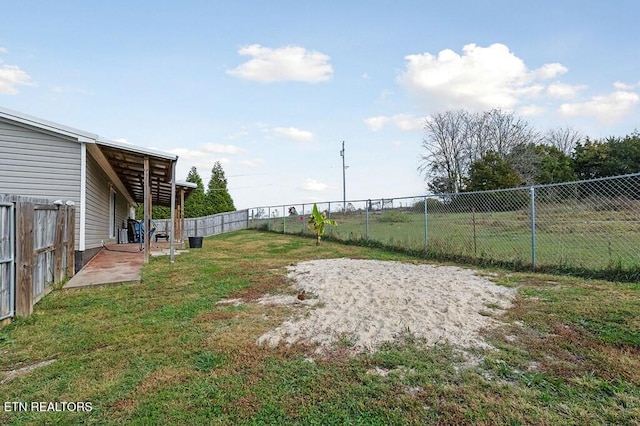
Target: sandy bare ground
{"type": "Point", "coordinates": [364, 303]}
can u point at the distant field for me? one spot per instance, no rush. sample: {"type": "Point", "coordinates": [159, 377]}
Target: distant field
{"type": "Point", "coordinates": [565, 238]}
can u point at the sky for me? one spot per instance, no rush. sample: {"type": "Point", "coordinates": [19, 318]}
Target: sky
{"type": "Point", "coordinates": [271, 89]}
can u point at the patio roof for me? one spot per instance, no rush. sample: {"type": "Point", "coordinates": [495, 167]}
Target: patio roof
{"type": "Point", "coordinates": [128, 164]}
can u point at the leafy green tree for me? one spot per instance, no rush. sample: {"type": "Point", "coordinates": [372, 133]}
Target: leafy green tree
{"type": "Point", "coordinates": [492, 172]}
{"type": "Point", "coordinates": [194, 206]}
{"type": "Point", "coordinates": [541, 164]}
{"type": "Point", "coordinates": [625, 154]}
{"type": "Point", "coordinates": [218, 199]}
{"type": "Point", "coordinates": [554, 166]}
{"type": "Point", "coordinates": [157, 212]}
{"type": "Point", "coordinates": [611, 157]}
{"type": "Point", "coordinates": [591, 159]}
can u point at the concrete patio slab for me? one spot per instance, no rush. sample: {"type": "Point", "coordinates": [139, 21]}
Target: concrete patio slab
{"type": "Point", "coordinates": [118, 263]}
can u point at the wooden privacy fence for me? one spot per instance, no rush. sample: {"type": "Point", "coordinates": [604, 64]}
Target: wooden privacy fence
{"type": "Point", "coordinates": [208, 225]}
{"type": "Point", "coordinates": [37, 243]}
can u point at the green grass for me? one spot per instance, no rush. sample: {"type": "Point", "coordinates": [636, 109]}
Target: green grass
{"type": "Point", "coordinates": [583, 242]}
{"type": "Point", "coordinates": [163, 351]}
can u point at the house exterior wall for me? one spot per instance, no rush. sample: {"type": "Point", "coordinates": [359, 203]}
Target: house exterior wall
{"type": "Point", "coordinates": [39, 164]}
{"type": "Point", "coordinates": [98, 207]}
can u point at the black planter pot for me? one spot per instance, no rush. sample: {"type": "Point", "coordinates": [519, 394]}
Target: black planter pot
{"type": "Point", "coordinates": [195, 242]}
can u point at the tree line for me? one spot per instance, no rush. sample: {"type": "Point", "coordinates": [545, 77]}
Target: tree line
{"type": "Point", "coordinates": [216, 199]}
{"type": "Point", "coordinates": [497, 149]}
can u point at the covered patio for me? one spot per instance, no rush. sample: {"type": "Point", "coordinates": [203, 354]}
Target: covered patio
{"type": "Point", "coordinates": [148, 178]}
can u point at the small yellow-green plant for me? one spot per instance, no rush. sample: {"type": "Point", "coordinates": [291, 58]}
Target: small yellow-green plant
{"type": "Point", "coordinates": [318, 221]}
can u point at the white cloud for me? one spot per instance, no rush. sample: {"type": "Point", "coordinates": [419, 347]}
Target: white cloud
{"type": "Point", "coordinates": [408, 123]}
{"type": "Point", "coordinates": [625, 86]}
{"type": "Point", "coordinates": [531, 110]}
{"type": "Point", "coordinates": [239, 134]}
{"type": "Point", "coordinates": [404, 122]}
{"type": "Point", "coordinates": [480, 78]}
{"type": "Point", "coordinates": [11, 77]}
{"type": "Point", "coordinates": [549, 71]}
{"type": "Point", "coordinates": [294, 134]}
{"type": "Point", "coordinates": [606, 108]}
{"type": "Point", "coordinates": [222, 149]}
{"type": "Point", "coordinates": [564, 91]}
{"type": "Point", "coordinates": [290, 63]}
{"type": "Point", "coordinates": [188, 154]}
{"type": "Point", "coordinates": [376, 123]}
{"type": "Point", "coordinates": [314, 185]}
{"type": "Point", "coordinates": [253, 163]}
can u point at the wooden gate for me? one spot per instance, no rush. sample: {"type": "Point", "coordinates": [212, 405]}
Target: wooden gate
{"type": "Point", "coordinates": [7, 261]}
{"type": "Point", "coordinates": [37, 243]}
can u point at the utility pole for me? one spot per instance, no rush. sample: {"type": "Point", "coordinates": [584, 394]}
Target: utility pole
{"type": "Point", "coordinates": [344, 185]}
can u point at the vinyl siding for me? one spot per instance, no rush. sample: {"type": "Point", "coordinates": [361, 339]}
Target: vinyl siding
{"type": "Point", "coordinates": [98, 207]}
{"type": "Point", "coordinates": [38, 164]}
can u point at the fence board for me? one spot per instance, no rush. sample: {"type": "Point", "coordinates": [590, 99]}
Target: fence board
{"type": "Point", "coordinates": [71, 241]}
{"type": "Point", "coordinates": [24, 261]}
{"type": "Point", "coordinates": [59, 245]}
{"type": "Point", "coordinates": [7, 284]}
{"type": "Point", "coordinates": [209, 225]}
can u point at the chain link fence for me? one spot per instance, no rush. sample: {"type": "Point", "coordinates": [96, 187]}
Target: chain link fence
{"type": "Point", "coordinates": [591, 226]}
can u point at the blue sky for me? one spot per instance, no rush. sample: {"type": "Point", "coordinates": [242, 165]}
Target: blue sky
{"type": "Point", "coordinates": [272, 88]}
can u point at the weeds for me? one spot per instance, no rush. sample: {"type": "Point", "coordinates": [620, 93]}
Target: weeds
{"type": "Point", "coordinates": [164, 351]}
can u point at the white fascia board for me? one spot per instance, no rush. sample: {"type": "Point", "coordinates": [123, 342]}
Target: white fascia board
{"type": "Point", "coordinates": [186, 184]}
{"type": "Point", "coordinates": [136, 149]}
{"type": "Point", "coordinates": [50, 126]}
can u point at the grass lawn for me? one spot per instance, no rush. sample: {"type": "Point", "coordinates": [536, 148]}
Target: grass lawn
{"type": "Point", "coordinates": [163, 352]}
{"type": "Point", "coordinates": [566, 239]}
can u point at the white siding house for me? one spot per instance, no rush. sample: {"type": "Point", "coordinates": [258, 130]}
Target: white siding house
{"type": "Point", "coordinates": [47, 160]}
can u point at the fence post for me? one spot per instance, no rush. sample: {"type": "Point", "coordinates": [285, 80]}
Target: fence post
{"type": "Point", "coordinates": [302, 221]}
{"type": "Point", "coordinates": [59, 245]}
{"type": "Point", "coordinates": [366, 226]}
{"type": "Point", "coordinates": [284, 219]}
{"type": "Point", "coordinates": [533, 228]}
{"type": "Point", "coordinates": [24, 271]}
{"type": "Point", "coordinates": [426, 228]}
{"type": "Point", "coordinates": [269, 220]}
{"type": "Point", "coordinates": [71, 241]}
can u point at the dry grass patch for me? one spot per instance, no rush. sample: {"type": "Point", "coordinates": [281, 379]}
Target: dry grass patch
{"type": "Point", "coordinates": [166, 352]}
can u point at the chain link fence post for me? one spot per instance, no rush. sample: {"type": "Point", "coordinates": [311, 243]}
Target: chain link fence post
{"type": "Point", "coordinates": [426, 227]}
{"type": "Point", "coordinates": [366, 224]}
{"type": "Point", "coordinates": [533, 228]}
